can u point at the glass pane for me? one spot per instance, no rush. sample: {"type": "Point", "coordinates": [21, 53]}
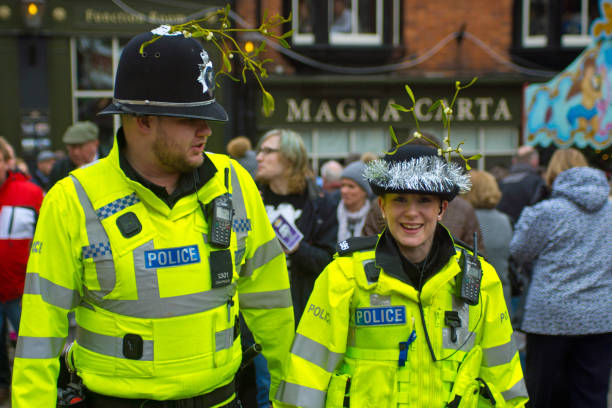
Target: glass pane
{"type": "Point", "coordinates": [333, 141]}
{"type": "Point", "coordinates": [501, 139]}
{"type": "Point", "coordinates": [88, 109]}
{"type": "Point", "coordinates": [467, 134]}
{"type": "Point", "coordinates": [94, 64]}
{"type": "Point", "coordinates": [307, 138]}
{"type": "Point", "coordinates": [538, 17]}
{"type": "Point", "coordinates": [341, 16]}
{"type": "Point", "coordinates": [367, 16]}
{"type": "Point", "coordinates": [371, 140]}
{"type": "Point", "coordinates": [571, 21]}
{"type": "Point", "coordinates": [304, 16]}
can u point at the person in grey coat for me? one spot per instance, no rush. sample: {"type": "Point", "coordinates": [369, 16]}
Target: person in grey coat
{"type": "Point", "coordinates": [494, 224]}
{"type": "Point", "coordinates": [568, 309]}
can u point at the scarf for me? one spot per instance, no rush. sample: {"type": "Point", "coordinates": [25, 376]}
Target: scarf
{"type": "Point", "coordinates": [350, 224]}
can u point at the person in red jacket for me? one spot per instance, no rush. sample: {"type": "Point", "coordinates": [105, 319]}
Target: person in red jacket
{"type": "Point", "coordinates": [20, 202]}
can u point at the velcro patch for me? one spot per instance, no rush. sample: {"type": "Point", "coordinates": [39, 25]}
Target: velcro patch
{"type": "Point", "coordinates": [380, 316]}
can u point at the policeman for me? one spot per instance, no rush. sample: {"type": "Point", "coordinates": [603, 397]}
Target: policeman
{"type": "Point", "coordinates": [407, 318]}
{"type": "Point", "coordinates": [156, 248]}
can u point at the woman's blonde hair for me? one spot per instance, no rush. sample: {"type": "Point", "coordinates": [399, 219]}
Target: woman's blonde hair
{"type": "Point", "coordinates": [562, 160]}
{"type": "Point", "coordinates": [293, 151]}
{"type": "Point", "coordinates": [485, 192]}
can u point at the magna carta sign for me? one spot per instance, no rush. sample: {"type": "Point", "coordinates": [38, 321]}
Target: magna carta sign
{"type": "Point", "coordinates": [379, 110]}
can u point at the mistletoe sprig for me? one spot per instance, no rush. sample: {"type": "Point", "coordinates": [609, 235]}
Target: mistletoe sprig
{"type": "Point", "coordinates": [447, 149]}
{"type": "Point", "coordinates": [217, 29]}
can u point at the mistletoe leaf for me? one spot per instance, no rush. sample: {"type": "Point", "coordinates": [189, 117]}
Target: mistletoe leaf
{"type": "Point", "coordinates": [268, 103]}
{"type": "Point", "coordinates": [410, 94]}
{"type": "Point", "coordinates": [400, 107]}
{"type": "Point", "coordinates": [393, 137]}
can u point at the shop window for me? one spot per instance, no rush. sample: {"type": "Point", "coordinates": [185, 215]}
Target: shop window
{"type": "Point", "coordinates": [94, 63]}
{"type": "Point", "coordinates": [344, 22]}
{"type": "Point", "coordinates": [324, 144]}
{"type": "Point", "coordinates": [496, 144]}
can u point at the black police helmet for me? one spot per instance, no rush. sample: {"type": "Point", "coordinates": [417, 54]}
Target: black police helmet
{"type": "Point", "coordinates": [172, 77]}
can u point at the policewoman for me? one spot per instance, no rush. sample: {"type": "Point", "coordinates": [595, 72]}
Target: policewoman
{"type": "Point", "coordinates": [156, 247]}
{"type": "Point", "coordinates": [396, 320]}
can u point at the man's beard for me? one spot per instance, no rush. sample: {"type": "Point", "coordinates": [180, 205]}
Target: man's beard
{"type": "Point", "coordinates": [167, 153]}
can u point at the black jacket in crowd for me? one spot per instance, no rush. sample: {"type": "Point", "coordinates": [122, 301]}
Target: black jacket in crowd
{"type": "Point", "coordinates": [319, 225]}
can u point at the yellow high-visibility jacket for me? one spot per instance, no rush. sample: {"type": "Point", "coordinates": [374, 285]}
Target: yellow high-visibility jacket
{"type": "Point", "coordinates": [138, 276]}
{"type": "Point", "coordinates": [348, 348]}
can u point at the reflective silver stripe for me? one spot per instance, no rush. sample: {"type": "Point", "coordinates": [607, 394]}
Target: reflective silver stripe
{"type": "Point", "coordinates": [239, 223]}
{"type": "Point", "coordinates": [50, 292]}
{"type": "Point", "coordinates": [518, 390]}
{"type": "Point", "coordinates": [465, 337]}
{"type": "Point", "coordinates": [149, 304]}
{"type": "Point", "coordinates": [316, 353]}
{"type": "Point", "coordinates": [224, 339]}
{"type": "Point", "coordinates": [300, 395]}
{"type": "Point", "coordinates": [158, 103]}
{"type": "Point", "coordinates": [264, 254]}
{"type": "Point", "coordinates": [97, 237]}
{"type": "Point", "coordinates": [499, 355]}
{"type": "Point", "coordinates": [174, 306]}
{"type": "Point", "coordinates": [39, 347]}
{"type": "Point", "coordinates": [109, 345]}
{"type": "Point", "coordinates": [266, 300]}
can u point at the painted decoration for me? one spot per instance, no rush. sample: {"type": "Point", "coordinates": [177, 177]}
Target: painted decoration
{"type": "Point", "coordinates": [573, 107]}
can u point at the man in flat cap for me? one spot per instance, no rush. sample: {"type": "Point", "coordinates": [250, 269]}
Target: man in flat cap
{"type": "Point", "coordinates": [81, 140]}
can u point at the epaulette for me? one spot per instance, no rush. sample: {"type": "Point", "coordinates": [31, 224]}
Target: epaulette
{"type": "Point", "coordinates": [348, 246]}
{"type": "Point", "coordinates": [463, 246]}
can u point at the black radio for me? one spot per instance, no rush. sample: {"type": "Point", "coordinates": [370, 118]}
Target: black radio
{"type": "Point", "coordinates": [220, 214]}
{"type": "Point", "coordinates": [469, 287]}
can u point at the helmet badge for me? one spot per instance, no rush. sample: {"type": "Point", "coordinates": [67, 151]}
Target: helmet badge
{"type": "Point", "coordinates": [165, 30]}
{"type": "Point", "coordinates": [206, 74]}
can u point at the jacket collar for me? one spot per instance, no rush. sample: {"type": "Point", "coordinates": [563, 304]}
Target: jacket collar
{"type": "Point", "coordinates": [187, 184]}
{"type": "Point", "coordinates": [389, 258]}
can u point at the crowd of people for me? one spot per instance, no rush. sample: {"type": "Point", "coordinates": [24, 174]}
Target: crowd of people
{"type": "Point", "coordinates": [391, 278]}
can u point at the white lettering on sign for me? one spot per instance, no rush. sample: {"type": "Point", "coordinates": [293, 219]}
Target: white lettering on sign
{"type": "Point", "coordinates": [324, 112]}
{"type": "Point", "coordinates": [298, 113]}
{"type": "Point", "coordinates": [351, 110]}
{"type": "Point", "coordinates": [484, 104]}
{"type": "Point", "coordinates": [346, 111]}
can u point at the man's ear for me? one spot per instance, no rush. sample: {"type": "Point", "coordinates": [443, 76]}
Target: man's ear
{"type": "Point", "coordinates": [144, 123]}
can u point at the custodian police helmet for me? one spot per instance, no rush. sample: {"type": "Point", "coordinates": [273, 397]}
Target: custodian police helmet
{"type": "Point", "coordinates": [173, 76]}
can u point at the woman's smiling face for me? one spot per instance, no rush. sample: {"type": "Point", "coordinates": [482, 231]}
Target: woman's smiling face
{"type": "Point", "coordinates": [412, 219]}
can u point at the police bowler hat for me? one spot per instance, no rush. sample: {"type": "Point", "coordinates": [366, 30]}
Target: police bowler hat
{"type": "Point", "coordinates": [172, 77]}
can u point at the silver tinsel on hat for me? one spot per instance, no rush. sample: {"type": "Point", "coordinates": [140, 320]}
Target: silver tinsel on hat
{"type": "Point", "coordinates": [426, 174]}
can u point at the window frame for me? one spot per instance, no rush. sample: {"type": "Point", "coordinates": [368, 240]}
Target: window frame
{"type": "Point", "coordinates": [530, 41]}
{"type": "Point", "coordinates": [78, 94]}
{"type": "Point", "coordinates": [334, 39]}
{"type": "Point", "coordinates": [543, 40]}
